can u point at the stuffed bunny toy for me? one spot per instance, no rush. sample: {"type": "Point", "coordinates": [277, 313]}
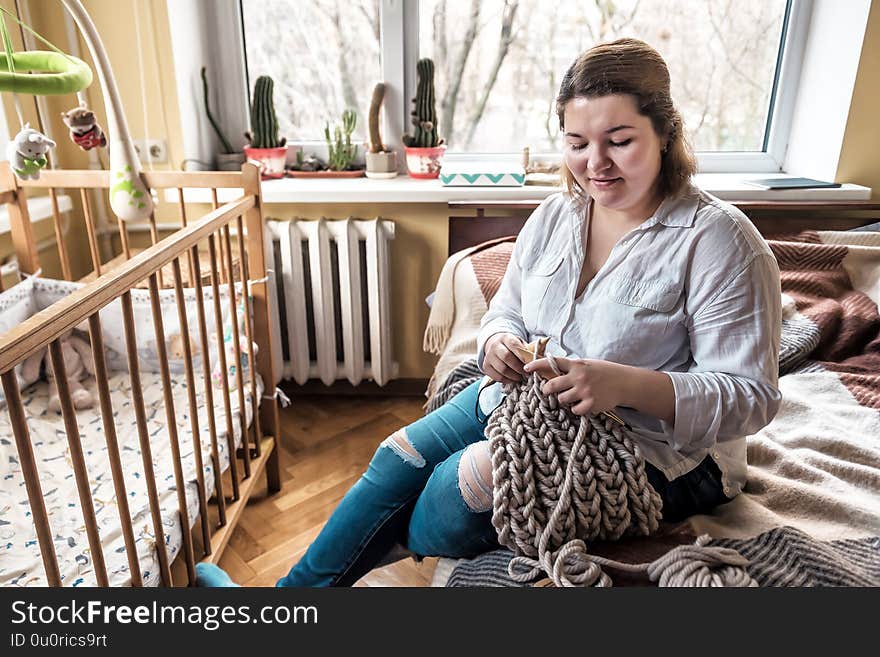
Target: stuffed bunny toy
{"type": "Point", "coordinates": [78, 365]}
{"type": "Point", "coordinates": [27, 152]}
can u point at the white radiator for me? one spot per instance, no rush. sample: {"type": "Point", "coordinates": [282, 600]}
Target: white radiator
{"type": "Point", "coordinates": [332, 299]}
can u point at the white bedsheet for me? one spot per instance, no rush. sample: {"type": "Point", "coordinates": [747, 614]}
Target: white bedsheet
{"type": "Point", "coordinates": [20, 560]}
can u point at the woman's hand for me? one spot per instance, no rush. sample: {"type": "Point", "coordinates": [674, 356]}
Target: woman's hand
{"type": "Point", "coordinates": [588, 386]}
{"type": "Point", "coordinates": [500, 362]}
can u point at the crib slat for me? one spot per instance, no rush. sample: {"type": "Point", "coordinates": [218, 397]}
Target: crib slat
{"type": "Point", "coordinates": [258, 253]}
{"type": "Point", "coordinates": [195, 276]}
{"type": "Point", "coordinates": [113, 455]}
{"type": "Point", "coordinates": [137, 396]}
{"type": "Point", "coordinates": [154, 237]}
{"type": "Point", "coordinates": [182, 206]}
{"type": "Point", "coordinates": [59, 235]}
{"type": "Point", "coordinates": [249, 332]}
{"type": "Point", "coordinates": [171, 420]}
{"type": "Point", "coordinates": [221, 361]}
{"type": "Point", "coordinates": [90, 229]}
{"type": "Point", "coordinates": [80, 472]}
{"type": "Point", "coordinates": [236, 341]}
{"type": "Point", "coordinates": [31, 477]}
{"type": "Point", "coordinates": [193, 404]}
{"type": "Point", "coordinates": [209, 390]}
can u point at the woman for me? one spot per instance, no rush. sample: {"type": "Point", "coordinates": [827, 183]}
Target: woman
{"type": "Point", "coordinates": [661, 303]}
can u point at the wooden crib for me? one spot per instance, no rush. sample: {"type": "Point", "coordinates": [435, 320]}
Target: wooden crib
{"type": "Point", "coordinates": [176, 262]}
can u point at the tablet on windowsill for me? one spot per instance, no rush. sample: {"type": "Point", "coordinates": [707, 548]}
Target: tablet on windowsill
{"type": "Point", "coordinates": [790, 183]}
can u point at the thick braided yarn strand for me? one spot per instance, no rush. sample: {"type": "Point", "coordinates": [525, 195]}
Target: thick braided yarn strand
{"type": "Point", "coordinates": [562, 480]}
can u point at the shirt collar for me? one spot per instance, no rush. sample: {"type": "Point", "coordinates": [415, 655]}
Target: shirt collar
{"type": "Point", "coordinates": [678, 211]}
{"type": "Point", "coordinates": [673, 211]}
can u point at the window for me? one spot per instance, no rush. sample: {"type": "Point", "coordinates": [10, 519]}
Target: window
{"type": "Point", "coordinates": [735, 66]}
{"type": "Point", "coordinates": [499, 64]}
{"type": "Point", "coordinates": [323, 56]}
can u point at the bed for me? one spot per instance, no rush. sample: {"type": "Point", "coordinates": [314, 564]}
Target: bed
{"type": "Point", "coordinates": [153, 477]}
{"type": "Point", "coordinates": [810, 512]}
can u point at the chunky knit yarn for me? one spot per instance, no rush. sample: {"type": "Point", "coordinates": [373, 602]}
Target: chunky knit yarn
{"type": "Point", "coordinates": [561, 480]}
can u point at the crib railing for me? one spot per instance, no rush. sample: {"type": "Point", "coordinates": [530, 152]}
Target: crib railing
{"type": "Point", "coordinates": [46, 328]}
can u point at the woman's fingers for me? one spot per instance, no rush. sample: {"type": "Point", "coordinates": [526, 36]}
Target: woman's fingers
{"type": "Point", "coordinates": [512, 360]}
{"type": "Point", "coordinates": [542, 367]}
{"type": "Point", "coordinates": [499, 372]}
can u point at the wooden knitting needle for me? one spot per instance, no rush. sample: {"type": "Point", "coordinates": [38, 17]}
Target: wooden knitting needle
{"type": "Point", "coordinates": [537, 349]}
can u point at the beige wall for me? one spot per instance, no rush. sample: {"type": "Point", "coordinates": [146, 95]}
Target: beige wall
{"type": "Point", "coordinates": [860, 156]}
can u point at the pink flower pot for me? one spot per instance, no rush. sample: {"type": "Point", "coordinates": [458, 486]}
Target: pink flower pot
{"type": "Point", "coordinates": [424, 162]}
{"type": "Point", "coordinates": [270, 160]}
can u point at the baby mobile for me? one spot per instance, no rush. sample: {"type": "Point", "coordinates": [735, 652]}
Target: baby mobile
{"type": "Point", "coordinates": [46, 73]}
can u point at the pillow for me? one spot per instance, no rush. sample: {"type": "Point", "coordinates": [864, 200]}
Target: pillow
{"type": "Point", "coordinates": [48, 291]}
{"type": "Point", "coordinates": [16, 305]}
{"type": "Point", "coordinates": [468, 281]}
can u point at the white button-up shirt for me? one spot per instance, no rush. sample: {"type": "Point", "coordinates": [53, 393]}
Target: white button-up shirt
{"type": "Point", "coordinates": [693, 292]}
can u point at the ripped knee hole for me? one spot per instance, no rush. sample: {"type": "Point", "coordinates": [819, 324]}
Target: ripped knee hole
{"type": "Point", "coordinates": [398, 442]}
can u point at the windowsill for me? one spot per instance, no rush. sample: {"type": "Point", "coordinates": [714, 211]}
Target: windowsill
{"type": "Point", "coordinates": [39, 208]}
{"type": "Point", "coordinates": [403, 189]}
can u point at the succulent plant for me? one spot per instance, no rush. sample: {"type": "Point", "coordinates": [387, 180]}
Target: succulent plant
{"type": "Point", "coordinates": [227, 147]}
{"type": "Point", "coordinates": [341, 152]}
{"type": "Point", "coordinates": [376, 144]}
{"type": "Point", "coordinates": [424, 114]}
{"type": "Point", "coordinates": [264, 124]}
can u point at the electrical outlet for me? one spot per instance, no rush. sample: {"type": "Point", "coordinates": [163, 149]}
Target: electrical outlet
{"type": "Point", "coordinates": [150, 150]}
{"type": "Point", "coordinates": [157, 150]}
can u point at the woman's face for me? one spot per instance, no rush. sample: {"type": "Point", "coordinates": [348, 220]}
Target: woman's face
{"type": "Point", "coordinates": [613, 151]}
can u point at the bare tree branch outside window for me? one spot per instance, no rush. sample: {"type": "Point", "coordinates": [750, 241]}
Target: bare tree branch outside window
{"type": "Point", "coordinates": [498, 63]}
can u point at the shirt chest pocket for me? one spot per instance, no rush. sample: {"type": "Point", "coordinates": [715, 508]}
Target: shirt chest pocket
{"type": "Point", "coordinates": [639, 321]}
{"type": "Point", "coordinates": [538, 294]}
{"type": "Point", "coordinates": [656, 295]}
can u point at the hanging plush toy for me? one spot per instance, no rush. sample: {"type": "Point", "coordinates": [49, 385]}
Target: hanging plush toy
{"type": "Point", "coordinates": [27, 152]}
{"type": "Point", "coordinates": [84, 129]}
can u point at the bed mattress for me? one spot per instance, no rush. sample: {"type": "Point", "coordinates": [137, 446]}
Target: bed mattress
{"type": "Point", "coordinates": [20, 560]}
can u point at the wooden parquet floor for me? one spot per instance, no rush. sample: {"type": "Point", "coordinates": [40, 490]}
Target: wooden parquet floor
{"type": "Point", "coordinates": [326, 444]}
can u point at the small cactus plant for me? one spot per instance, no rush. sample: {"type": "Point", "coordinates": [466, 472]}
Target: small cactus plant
{"type": "Point", "coordinates": [227, 147]}
{"type": "Point", "coordinates": [424, 114]}
{"type": "Point", "coordinates": [264, 124]}
{"type": "Point", "coordinates": [341, 152]}
{"type": "Point", "coordinates": [376, 145]}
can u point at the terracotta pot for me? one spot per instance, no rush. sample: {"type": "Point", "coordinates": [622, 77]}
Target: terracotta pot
{"type": "Point", "coordinates": [425, 162]}
{"type": "Point", "coordinates": [270, 160]}
{"type": "Point", "coordinates": [381, 165]}
{"type": "Point", "coordinates": [230, 161]}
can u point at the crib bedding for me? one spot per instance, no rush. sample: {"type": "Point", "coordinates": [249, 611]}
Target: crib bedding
{"type": "Point", "coordinates": [20, 560]}
{"type": "Point", "coordinates": [810, 511]}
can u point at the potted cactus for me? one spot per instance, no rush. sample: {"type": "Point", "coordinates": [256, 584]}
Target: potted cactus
{"type": "Point", "coordinates": [381, 161]}
{"type": "Point", "coordinates": [266, 150]}
{"type": "Point", "coordinates": [341, 153]}
{"type": "Point", "coordinates": [424, 148]}
{"type": "Point", "coordinates": [229, 159]}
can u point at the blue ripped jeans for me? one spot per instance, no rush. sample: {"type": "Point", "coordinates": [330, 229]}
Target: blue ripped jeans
{"type": "Point", "coordinates": [412, 497]}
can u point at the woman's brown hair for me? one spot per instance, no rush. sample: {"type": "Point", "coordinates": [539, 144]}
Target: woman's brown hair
{"type": "Point", "coordinates": [630, 66]}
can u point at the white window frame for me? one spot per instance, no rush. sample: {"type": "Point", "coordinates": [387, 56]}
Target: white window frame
{"type": "Point", "coordinates": [399, 28]}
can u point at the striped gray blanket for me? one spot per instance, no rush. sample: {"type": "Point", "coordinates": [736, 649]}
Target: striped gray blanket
{"type": "Point", "coordinates": [783, 556]}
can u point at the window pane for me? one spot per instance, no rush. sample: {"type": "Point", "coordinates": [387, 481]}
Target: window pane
{"type": "Point", "coordinates": [499, 63]}
{"type": "Point", "coordinates": [323, 55]}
